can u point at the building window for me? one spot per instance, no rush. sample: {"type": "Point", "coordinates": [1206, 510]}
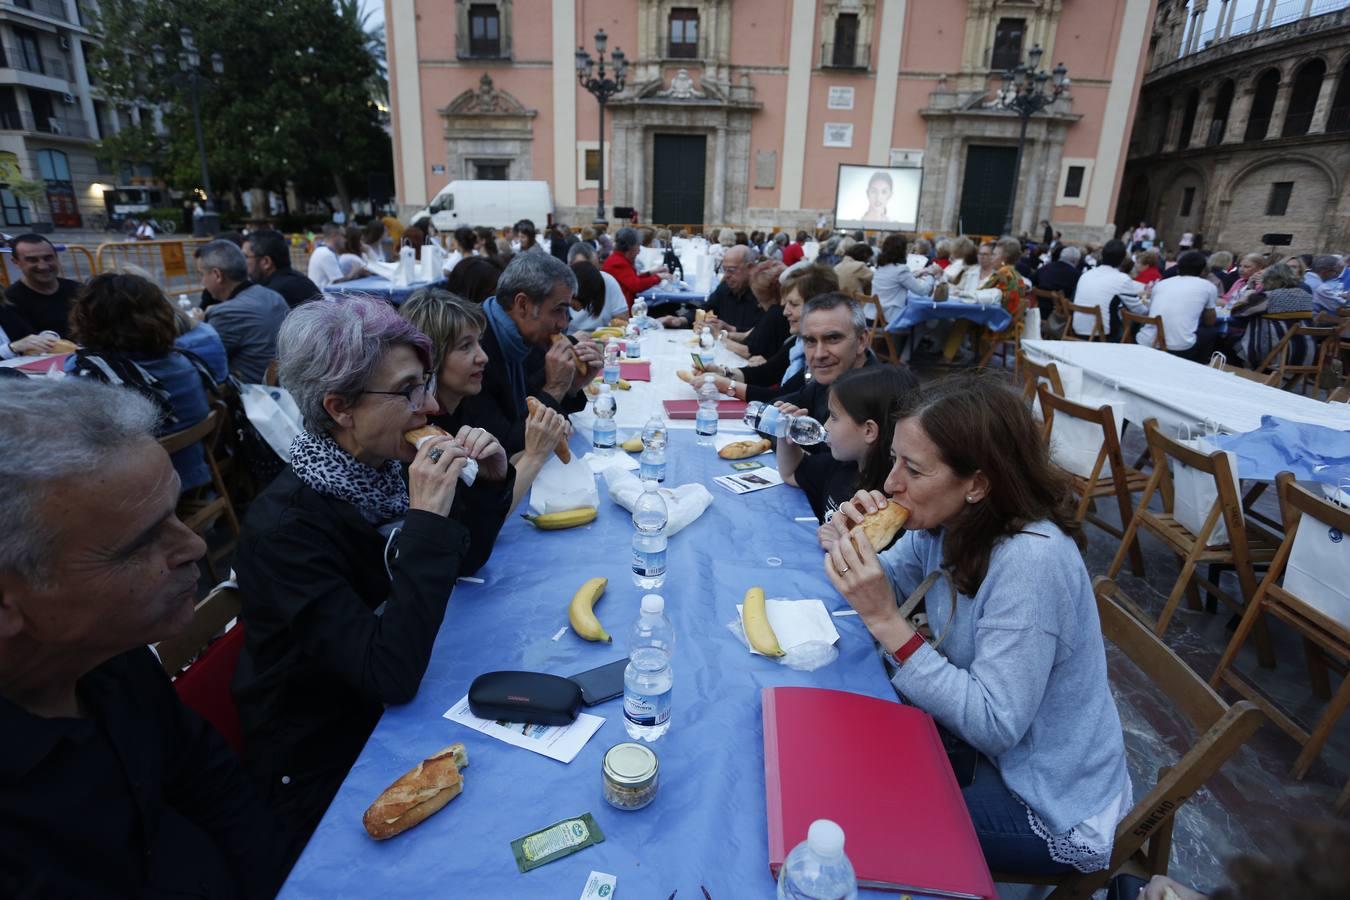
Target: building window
{"type": "Point", "coordinates": [1008, 44]}
{"type": "Point", "coordinates": [683, 33]}
{"type": "Point", "coordinates": [489, 171]}
{"type": "Point", "coordinates": [30, 54]}
{"type": "Point", "coordinates": [592, 166]}
{"type": "Point", "coordinates": [1187, 201]}
{"type": "Point", "coordinates": [16, 213]}
{"type": "Point", "coordinates": [845, 52]}
{"type": "Point", "coordinates": [485, 38]}
{"type": "Point", "coordinates": [53, 165]}
{"type": "Point", "coordinates": [1073, 182]}
{"type": "Point", "coordinates": [1278, 204]}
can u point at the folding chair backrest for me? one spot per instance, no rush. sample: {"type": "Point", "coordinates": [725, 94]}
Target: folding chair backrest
{"type": "Point", "coordinates": [270, 376]}
{"type": "Point", "coordinates": [1340, 395]}
{"type": "Point", "coordinates": [1302, 509]}
{"type": "Point", "coordinates": [208, 619]}
{"type": "Point", "coordinates": [1163, 448]}
{"type": "Point", "coordinates": [1103, 420]}
{"type": "Point", "coordinates": [1130, 319]}
{"type": "Point", "coordinates": [1270, 379]}
{"type": "Point", "coordinates": [193, 434]}
{"type": "Point", "coordinates": [1098, 331]}
{"type": "Point", "coordinates": [1033, 373]}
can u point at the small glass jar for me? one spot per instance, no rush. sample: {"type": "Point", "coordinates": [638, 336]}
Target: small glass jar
{"type": "Point", "coordinates": [630, 776]}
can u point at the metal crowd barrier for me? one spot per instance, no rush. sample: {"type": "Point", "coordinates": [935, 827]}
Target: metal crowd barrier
{"type": "Point", "coordinates": [169, 263]}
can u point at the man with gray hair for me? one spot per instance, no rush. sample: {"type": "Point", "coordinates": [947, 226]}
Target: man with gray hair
{"type": "Point", "coordinates": [528, 355]}
{"type": "Point", "coordinates": [1324, 277]}
{"type": "Point", "coordinates": [833, 330]}
{"type": "Point", "coordinates": [1059, 274]}
{"type": "Point", "coordinates": [109, 786]}
{"type": "Point", "coordinates": [246, 315]}
{"type": "Point", "coordinates": [621, 264]}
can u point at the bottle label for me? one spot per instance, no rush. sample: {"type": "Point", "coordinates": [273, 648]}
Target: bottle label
{"type": "Point", "coordinates": [611, 374]}
{"type": "Point", "coordinates": [605, 434]}
{"type": "Point", "coordinates": [647, 710]}
{"type": "Point", "coordinates": [634, 348]}
{"type": "Point", "coordinates": [768, 421]}
{"type": "Point", "coordinates": [705, 423]}
{"type": "Point", "coordinates": [649, 564]}
{"type": "Point", "coordinates": [652, 471]}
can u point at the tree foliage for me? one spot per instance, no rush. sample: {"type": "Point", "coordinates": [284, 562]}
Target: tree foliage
{"type": "Point", "coordinates": [293, 103]}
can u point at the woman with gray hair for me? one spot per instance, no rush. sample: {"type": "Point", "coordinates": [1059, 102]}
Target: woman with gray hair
{"type": "Point", "coordinates": [1262, 317]}
{"type": "Point", "coordinates": [344, 569]}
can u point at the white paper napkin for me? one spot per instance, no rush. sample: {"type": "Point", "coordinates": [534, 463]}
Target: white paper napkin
{"type": "Point", "coordinates": [796, 622]}
{"type": "Point", "coordinates": [560, 487]}
{"type": "Point", "coordinates": [684, 504]}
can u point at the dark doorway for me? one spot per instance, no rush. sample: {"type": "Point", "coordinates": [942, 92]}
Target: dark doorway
{"type": "Point", "coordinates": [1307, 85]}
{"type": "Point", "coordinates": [678, 165]}
{"type": "Point", "coordinates": [1263, 105]}
{"type": "Point", "coordinates": [1223, 107]}
{"type": "Point", "coordinates": [986, 188]}
{"type": "Point", "coordinates": [1188, 119]}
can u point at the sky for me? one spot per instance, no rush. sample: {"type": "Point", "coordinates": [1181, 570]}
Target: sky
{"type": "Point", "coordinates": [376, 10]}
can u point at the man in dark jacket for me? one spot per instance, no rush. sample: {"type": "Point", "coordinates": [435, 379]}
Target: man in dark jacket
{"type": "Point", "coordinates": [1060, 274]}
{"type": "Point", "coordinates": [269, 264]}
{"type": "Point", "coordinates": [531, 307]}
{"type": "Point", "coordinates": [109, 786]}
{"type": "Point", "coordinates": [834, 335]}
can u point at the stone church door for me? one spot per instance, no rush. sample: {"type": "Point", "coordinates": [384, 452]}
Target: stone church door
{"type": "Point", "coordinates": [678, 168]}
{"type": "Point", "coordinates": [986, 188]}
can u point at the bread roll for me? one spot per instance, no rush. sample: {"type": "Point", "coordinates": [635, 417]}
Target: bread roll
{"type": "Point", "coordinates": [685, 375]}
{"type": "Point", "coordinates": [576, 360]}
{"type": "Point", "coordinates": [562, 451]}
{"type": "Point", "coordinates": [882, 526]}
{"type": "Point", "coordinates": [745, 449]}
{"type": "Point", "coordinates": [61, 345]}
{"type": "Point", "coordinates": [699, 316]}
{"type": "Point", "coordinates": [418, 435]}
{"type": "Point", "coordinates": [417, 794]}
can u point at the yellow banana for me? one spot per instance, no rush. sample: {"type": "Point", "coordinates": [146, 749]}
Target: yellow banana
{"type": "Point", "coordinates": [623, 385]}
{"type": "Point", "coordinates": [756, 622]}
{"type": "Point", "coordinates": [632, 445]}
{"type": "Point", "coordinates": [569, 519]}
{"type": "Point", "coordinates": [581, 611]}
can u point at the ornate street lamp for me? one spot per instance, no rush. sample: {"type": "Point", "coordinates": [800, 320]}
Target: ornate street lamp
{"type": "Point", "coordinates": [190, 75]}
{"type": "Point", "coordinates": [1027, 90]}
{"type": "Point", "coordinates": [602, 88]}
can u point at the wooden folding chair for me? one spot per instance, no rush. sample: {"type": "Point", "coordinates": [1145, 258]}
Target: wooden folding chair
{"type": "Point", "coordinates": [1269, 379]}
{"type": "Point", "coordinates": [1009, 340]}
{"type": "Point", "coordinates": [1098, 331]}
{"type": "Point", "coordinates": [200, 508]}
{"type": "Point", "coordinates": [1144, 837]}
{"type": "Point", "coordinates": [270, 376]}
{"type": "Point", "coordinates": [1129, 320]}
{"type": "Point", "coordinates": [1121, 482]}
{"type": "Point", "coordinates": [209, 619]}
{"type": "Point", "coordinates": [1340, 395]}
{"type": "Point", "coordinates": [1323, 635]}
{"type": "Point", "coordinates": [1057, 300]}
{"type": "Point", "coordinates": [879, 339]}
{"type": "Point", "coordinates": [1033, 374]}
{"type": "Point", "coordinates": [1248, 543]}
{"type": "Point", "coordinates": [1291, 377]}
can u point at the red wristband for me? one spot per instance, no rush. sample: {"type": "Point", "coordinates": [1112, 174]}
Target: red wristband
{"type": "Point", "coordinates": [908, 649]}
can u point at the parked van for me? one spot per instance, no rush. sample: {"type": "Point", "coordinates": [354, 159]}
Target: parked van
{"type": "Point", "coordinates": [491, 203]}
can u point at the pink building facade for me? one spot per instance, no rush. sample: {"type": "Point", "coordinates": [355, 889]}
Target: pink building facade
{"type": "Point", "coordinates": [774, 96]}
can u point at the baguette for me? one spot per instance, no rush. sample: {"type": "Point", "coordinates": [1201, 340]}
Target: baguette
{"type": "Point", "coordinates": [882, 526]}
{"type": "Point", "coordinates": [685, 375]}
{"type": "Point", "coordinates": [60, 345]}
{"type": "Point", "coordinates": [418, 435]}
{"type": "Point", "coordinates": [417, 794]}
{"type": "Point", "coordinates": [562, 451]}
{"type": "Point", "coordinates": [576, 360]}
{"type": "Point", "coordinates": [745, 449]}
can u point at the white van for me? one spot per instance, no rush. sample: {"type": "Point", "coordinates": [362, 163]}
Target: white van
{"type": "Point", "coordinates": [492, 203]}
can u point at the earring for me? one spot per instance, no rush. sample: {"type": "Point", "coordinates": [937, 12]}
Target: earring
{"type": "Point", "coordinates": [970, 498]}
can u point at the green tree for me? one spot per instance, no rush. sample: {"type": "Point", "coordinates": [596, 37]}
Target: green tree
{"type": "Point", "coordinates": [293, 103]}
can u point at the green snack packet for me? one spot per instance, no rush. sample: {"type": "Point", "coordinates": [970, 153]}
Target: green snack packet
{"type": "Point", "coordinates": [556, 841]}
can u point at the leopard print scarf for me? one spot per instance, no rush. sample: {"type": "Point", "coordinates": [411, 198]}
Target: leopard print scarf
{"type": "Point", "coordinates": [378, 494]}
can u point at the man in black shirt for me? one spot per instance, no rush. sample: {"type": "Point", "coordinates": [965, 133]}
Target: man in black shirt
{"type": "Point", "coordinates": [731, 302]}
{"type": "Point", "coordinates": [109, 786]}
{"type": "Point", "coordinates": [834, 336]}
{"type": "Point", "coordinates": [1060, 274]}
{"type": "Point", "coordinates": [269, 264]}
{"type": "Point", "coordinates": [42, 296]}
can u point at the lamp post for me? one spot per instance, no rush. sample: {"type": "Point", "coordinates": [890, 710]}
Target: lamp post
{"type": "Point", "coordinates": [1027, 89]}
{"type": "Point", "coordinates": [602, 89]}
{"type": "Point", "coordinates": [190, 75]}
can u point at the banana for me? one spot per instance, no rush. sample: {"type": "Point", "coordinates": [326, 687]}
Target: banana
{"type": "Point", "coordinates": [568, 519]}
{"type": "Point", "coordinates": [581, 611]}
{"type": "Point", "coordinates": [623, 385]}
{"type": "Point", "coordinates": [756, 622]}
{"type": "Point", "coordinates": [632, 445]}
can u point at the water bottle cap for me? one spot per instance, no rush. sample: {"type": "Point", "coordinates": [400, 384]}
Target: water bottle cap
{"type": "Point", "coordinates": [604, 387]}
{"type": "Point", "coordinates": [655, 603]}
{"type": "Point", "coordinates": [826, 838]}
{"type": "Point", "coordinates": [650, 484]}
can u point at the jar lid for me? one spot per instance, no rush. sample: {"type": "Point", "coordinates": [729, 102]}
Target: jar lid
{"type": "Point", "coordinates": [630, 765]}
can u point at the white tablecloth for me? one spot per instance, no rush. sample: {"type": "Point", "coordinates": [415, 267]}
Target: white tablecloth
{"type": "Point", "coordinates": [1141, 383]}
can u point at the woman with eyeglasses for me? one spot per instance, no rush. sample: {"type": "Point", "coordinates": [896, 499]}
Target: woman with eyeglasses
{"type": "Point", "coordinates": [344, 569]}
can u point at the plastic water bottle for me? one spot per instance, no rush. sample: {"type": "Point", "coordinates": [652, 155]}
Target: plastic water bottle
{"type": "Point", "coordinates": [612, 361]}
{"type": "Point", "coordinates": [652, 462]}
{"type": "Point", "coordinates": [769, 421]}
{"type": "Point", "coordinates": [606, 430]}
{"type": "Point", "coordinates": [706, 345]}
{"type": "Point", "coordinates": [647, 681]}
{"type": "Point", "coordinates": [817, 868]}
{"type": "Point", "coordinates": [633, 340]}
{"type": "Point", "coordinates": [705, 423]}
{"type": "Point", "coordinates": [649, 537]}
{"type": "Point", "coordinates": [655, 425]}
{"type": "Point", "coordinates": [638, 312]}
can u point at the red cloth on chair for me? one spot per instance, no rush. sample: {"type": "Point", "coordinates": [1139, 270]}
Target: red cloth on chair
{"type": "Point", "coordinates": [204, 686]}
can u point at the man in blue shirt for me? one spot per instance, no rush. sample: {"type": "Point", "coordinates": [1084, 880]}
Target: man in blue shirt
{"type": "Point", "coordinates": [1324, 277]}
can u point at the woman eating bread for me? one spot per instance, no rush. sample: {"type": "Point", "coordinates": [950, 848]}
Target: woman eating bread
{"type": "Point", "coordinates": [344, 570]}
{"type": "Point", "coordinates": [455, 328]}
{"type": "Point", "coordinates": [1017, 668]}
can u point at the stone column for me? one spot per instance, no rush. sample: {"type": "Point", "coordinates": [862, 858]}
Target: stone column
{"type": "Point", "coordinates": [1322, 111]}
{"type": "Point", "coordinates": [1174, 117]}
{"type": "Point", "coordinates": [1240, 110]}
{"type": "Point", "coordinates": [1270, 12]}
{"type": "Point", "coordinates": [719, 185]}
{"type": "Point", "coordinates": [1204, 114]}
{"type": "Point", "coordinates": [1256, 16]}
{"type": "Point", "coordinates": [637, 148]}
{"type": "Point", "coordinates": [1282, 98]}
{"type": "Point", "coordinates": [1232, 11]}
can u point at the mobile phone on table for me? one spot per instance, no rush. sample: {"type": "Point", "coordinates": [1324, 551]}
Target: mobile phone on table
{"type": "Point", "coordinates": [746, 465]}
{"type": "Point", "coordinates": [698, 362]}
{"type": "Point", "coordinates": [601, 683]}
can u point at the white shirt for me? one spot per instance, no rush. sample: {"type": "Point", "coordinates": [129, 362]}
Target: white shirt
{"type": "Point", "coordinates": [145, 231]}
{"type": "Point", "coordinates": [1181, 301]}
{"type": "Point", "coordinates": [615, 305]}
{"type": "Point", "coordinates": [324, 268]}
{"type": "Point", "coordinates": [454, 259]}
{"type": "Point", "coordinates": [1096, 287]}
{"type": "Point", "coordinates": [350, 262]}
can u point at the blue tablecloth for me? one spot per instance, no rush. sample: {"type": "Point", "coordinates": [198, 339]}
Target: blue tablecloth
{"type": "Point", "coordinates": [707, 824]}
{"type": "Point", "coordinates": [920, 309]}
{"type": "Point", "coordinates": [1311, 452]}
{"type": "Point", "coordinates": [375, 286]}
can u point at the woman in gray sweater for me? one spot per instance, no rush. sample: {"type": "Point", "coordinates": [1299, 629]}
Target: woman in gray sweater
{"type": "Point", "coordinates": [1017, 668]}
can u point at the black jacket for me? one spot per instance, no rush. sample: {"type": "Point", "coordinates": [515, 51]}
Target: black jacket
{"type": "Point", "coordinates": [1057, 275]}
{"type": "Point", "coordinates": [141, 798]}
{"type": "Point", "coordinates": [765, 383]}
{"type": "Point", "coordinates": [319, 664]}
{"type": "Point", "coordinates": [768, 335]}
{"type": "Point", "coordinates": [293, 287]}
{"type": "Point", "coordinates": [815, 399]}
{"type": "Point", "coordinates": [496, 409]}
{"type": "Point", "coordinates": [45, 312]}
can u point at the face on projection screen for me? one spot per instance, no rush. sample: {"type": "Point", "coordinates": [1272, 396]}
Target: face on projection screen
{"type": "Point", "coordinates": [885, 199]}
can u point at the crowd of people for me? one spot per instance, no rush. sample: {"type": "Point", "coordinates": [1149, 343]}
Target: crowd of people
{"type": "Point", "coordinates": [348, 558]}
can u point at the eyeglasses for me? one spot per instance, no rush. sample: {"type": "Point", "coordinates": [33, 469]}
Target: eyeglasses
{"type": "Point", "coordinates": [416, 395]}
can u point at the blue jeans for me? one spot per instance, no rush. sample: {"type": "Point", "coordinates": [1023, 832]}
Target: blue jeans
{"type": "Point", "coordinates": [1001, 824]}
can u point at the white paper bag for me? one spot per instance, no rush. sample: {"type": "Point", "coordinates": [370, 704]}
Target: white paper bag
{"type": "Point", "coordinates": [407, 266]}
{"type": "Point", "coordinates": [273, 412]}
{"type": "Point", "coordinates": [1194, 493]}
{"type": "Point", "coordinates": [433, 260]}
{"type": "Point", "coordinates": [684, 504]}
{"type": "Point", "coordinates": [559, 487]}
{"type": "Point", "coordinates": [1075, 445]}
{"type": "Point", "coordinates": [1317, 568]}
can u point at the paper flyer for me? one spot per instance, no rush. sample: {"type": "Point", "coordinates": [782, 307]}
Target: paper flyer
{"type": "Point", "coordinates": [560, 742]}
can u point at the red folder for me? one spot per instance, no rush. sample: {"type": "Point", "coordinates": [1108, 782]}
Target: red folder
{"type": "Point", "coordinates": [688, 409]}
{"type": "Point", "coordinates": [44, 365]}
{"type": "Point", "coordinates": [636, 370]}
{"type": "Point", "coordinates": [878, 768]}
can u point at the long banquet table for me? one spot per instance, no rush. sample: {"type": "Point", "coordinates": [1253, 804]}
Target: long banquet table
{"type": "Point", "coordinates": [706, 827]}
